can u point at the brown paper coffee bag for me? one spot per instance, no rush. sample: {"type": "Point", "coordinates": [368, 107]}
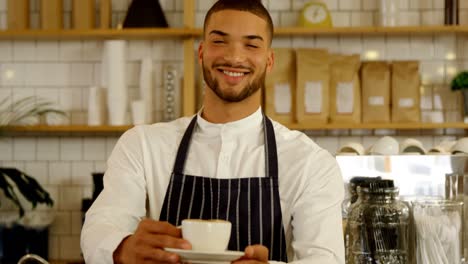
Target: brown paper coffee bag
{"type": "Point", "coordinates": [313, 81]}
{"type": "Point", "coordinates": [83, 15]}
{"type": "Point", "coordinates": [280, 85]}
{"type": "Point", "coordinates": [345, 89]}
{"type": "Point", "coordinates": [375, 78]}
{"type": "Point", "coordinates": [406, 92]}
{"type": "Point", "coordinates": [18, 14]}
{"type": "Point", "coordinates": [51, 14]}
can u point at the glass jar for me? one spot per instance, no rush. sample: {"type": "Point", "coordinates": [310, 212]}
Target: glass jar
{"type": "Point", "coordinates": [378, 226]}
{"type": "Point", "coordinates": [438, 231]}
{"type": "Point", "coordinates": [354, 184]}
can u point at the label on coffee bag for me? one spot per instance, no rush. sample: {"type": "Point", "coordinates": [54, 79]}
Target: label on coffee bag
{"type": "Point", "coordinates": [376, 100]}
{"type": "Point", "coordinates": [313, 97]}
{"type": "Point", "coordinates": [344, 98]}
{"type": "Point", "coordinates": [282, 98]}
{"type": "Point", "coordinates": [406, 103]}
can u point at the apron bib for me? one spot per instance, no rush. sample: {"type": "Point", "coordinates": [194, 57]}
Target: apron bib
{"type": "Point", "coordinates": [252, 205]}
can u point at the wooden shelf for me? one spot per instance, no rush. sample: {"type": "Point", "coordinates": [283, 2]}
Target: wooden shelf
{"type": "Point", "coordinates": [67, 262]}
{"type": "Point", "coordinates": [151, 33]}
{"type": "Point", "coordinates": [302, 31]}
{"type": "Point", "coordinates": [72, 129]}
{"type": "Point", "coordinates": [83, 129]}
{"type": "Point", "coordinates": [395, 126]}
{"type": "Point", "coordinates": [298, 31]}
{"type": "Point", "coordinates": [102, 34]}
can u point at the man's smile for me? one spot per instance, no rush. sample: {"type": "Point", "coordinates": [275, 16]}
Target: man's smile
{"type": "Point", "coordinates": [233, 76]}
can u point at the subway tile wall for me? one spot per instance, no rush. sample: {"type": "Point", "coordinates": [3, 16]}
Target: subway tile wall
{"type": "Point", "coordinates": [62, 71]}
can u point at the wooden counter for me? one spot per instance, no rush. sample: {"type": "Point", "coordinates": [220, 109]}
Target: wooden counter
{"type": "Point", "coordinates": [67, 262]}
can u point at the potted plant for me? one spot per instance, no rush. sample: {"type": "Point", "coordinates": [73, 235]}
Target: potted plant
{"type": "Point", "coordinates": [22, 228]}
{"type": "Point", "coordinates": [460, 83]}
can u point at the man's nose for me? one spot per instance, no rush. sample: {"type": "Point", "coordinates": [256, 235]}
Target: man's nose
{"type": "Point", "coordinates": [234, 54]}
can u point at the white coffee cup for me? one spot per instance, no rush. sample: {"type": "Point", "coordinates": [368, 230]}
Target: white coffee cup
{"type": "Point", "coordinates": [412, 146]}
{"type": "Point", "coordinates": [460, 147]}
{"type": "Point", "coordinates": [385, 146]}
{"type": "Point", "coordinates": [207, 235]}
{"type": "Point", "coordinates": [444, 147]}
{"type": "Point", "coordinates": [351, 148]}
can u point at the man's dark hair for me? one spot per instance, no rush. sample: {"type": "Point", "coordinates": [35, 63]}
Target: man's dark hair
{"type": "Point", "coordinates": [252, 6]}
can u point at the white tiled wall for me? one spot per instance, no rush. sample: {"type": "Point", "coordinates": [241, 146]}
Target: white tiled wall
{"type": "Point", "coordinates": [62, 71]}
{"type": "Point", "coordinates": [355, 12]}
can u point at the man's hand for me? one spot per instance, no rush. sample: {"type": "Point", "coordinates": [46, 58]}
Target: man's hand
{"type": "Point", "coordinates": [147, 244]}
{"type": "Point", "coordinates": [255, 254]}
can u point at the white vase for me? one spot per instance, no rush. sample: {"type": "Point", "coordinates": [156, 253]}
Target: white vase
{"type": "Point", "coordinates": [97, 106]}
{"type": "Point", "coordinates": [147, 88]}
{"type": "Point", "coordinates": [388, 13]}
{"type": "Point", "coordinates": [117, 95]}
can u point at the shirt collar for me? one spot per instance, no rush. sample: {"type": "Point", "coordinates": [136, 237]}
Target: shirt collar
{"type": "Point", "coordinates": [253, 122]}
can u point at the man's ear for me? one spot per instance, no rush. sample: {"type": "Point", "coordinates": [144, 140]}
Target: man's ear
{"type": "Point", "coordinates": [200, 52]}
{"type": "Point", "coordinates": [270, 60]}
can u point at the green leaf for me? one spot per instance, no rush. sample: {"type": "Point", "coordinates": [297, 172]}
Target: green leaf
{"type": "Point", "coordinates": [460, 81]}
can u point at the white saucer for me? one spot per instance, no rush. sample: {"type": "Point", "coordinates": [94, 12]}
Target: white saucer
{"type": "Point", "coordinates": [205, 257]}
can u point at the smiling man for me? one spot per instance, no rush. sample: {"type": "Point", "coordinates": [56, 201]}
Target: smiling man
{"type": "Point", "coordinates": [239, 59]}
{"type": "Point", "coordinates": [281, 192]}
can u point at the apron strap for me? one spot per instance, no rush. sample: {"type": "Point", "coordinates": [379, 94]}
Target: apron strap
{"type": "Point", "coordinates": [184, 147]}
{"type": "Point", "coordinates": [271, 156]}
{"type": "Point", "coordinates": [271, 159]}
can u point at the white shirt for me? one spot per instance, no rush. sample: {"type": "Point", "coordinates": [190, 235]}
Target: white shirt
{"type": "Point", "coordinates": [139, 169]}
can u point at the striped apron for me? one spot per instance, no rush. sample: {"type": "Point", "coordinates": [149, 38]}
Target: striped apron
{"type": "Point", "coordinates": [252, 205]}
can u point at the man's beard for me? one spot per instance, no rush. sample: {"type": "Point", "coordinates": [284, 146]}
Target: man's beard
{"type": "Point", "coordinates": [246, 92]}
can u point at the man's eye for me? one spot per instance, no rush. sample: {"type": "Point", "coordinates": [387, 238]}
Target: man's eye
{"type": "Point", "coordinates": [218, 41]}
{"type": "Point", "coordinates": [252, 46]}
